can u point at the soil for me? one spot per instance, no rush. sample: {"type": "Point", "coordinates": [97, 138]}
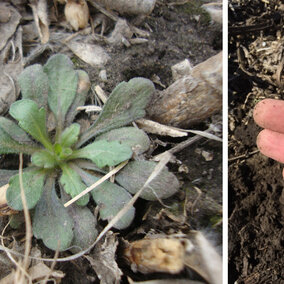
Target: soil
{"type": "Point", "coordinates": [177, 32]}
{"type": "Point", "coordinates": [256, 233]}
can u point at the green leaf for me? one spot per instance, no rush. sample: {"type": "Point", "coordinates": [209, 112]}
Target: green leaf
{"type": "Point", "coordinates": [70, 135]}
{"type": "Point", "coordinates": [51, 221]}
{"type": "Point", "coordinates": [34, 84]}
{"type": "Point", "coordinates": [14, 131]}
{"type": "Point", "coordinates": [126, 103]}
{"type": "Point", "coordinates": [83, 88]}
{"type": "Point", "coordinates": [134, 175]}
{"type": "Point", "coordinates": [111, 198]}
{"type": "Point", "coordinates": [85, 231]}
{"type": "Point", "coordinates": [43, 159]}
{"type": "Point", "coordinates": [63, 80]}
{"type": "Point", "coordinates": [32, 120]}
{"type": "Point", "coordinates": [33, 181]}
{"type": "Point", "coordinates": [133, 137]}
{"type": "Point", "coordinates": [104, 153]}
{"type": "Point", "coordinates": [72, 184]}
{"type": "Point", "coordinates": [8, 145]}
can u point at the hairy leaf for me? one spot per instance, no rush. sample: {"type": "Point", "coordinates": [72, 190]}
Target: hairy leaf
{"type": "Point", "coordinates": [14, 131]}
{"type": "Point", "coordinates": [85, 231]}
{"type": "Point", "coordinates": [111, 198]}
{"type": "Point", "coordinates": [8, 145]}
{"type": "Point", "coordinates": [34, 84]}
{"type": "Point", "coordinates": [33, 182]}
{"type": "Point", "coordinates": [51, 221]}
{"type": "Point", "coordinates": [104, 153]}
{"type": "Point", "coordinates": [32, 120]}
{"type": "Point", "coordinates": [70, 135]}
{"type": "Point", "coordinates": [43, 159]}
{"type": "Point", "coordinates": [63, 80]}
{"type": "Point", "coordinates": [126, 103]}
{"type": "Point", "coordinates": [81, 95]}
{"type": "Point", "coordinates": [130, 136]}
{"type": "Point", "coordinates": [134, 175]}
{"type": "Point", "coordinates": [72, 184]}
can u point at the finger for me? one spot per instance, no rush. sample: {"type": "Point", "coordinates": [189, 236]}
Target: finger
{"type": "Point", "coordinates": [271, 144]}
{"type": "Point", "coordinates": [269, 114]}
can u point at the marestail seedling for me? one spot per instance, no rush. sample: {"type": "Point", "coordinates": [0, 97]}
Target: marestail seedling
{"type": "Point", "coordinates": [65, 160]}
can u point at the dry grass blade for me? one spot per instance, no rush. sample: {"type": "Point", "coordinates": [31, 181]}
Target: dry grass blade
{"type": "Point", "coordinates": [104, 178]}
{"type": "Point", "coordinates": [205, 134]}
{"type": "Point", "coordinates": [90, 108]}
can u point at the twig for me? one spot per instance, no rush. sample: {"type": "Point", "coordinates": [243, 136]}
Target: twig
{"type": "Point", "coordinates": [243, 156]}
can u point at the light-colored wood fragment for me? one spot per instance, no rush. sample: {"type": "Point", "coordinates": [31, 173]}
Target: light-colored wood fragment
{"type": "Point", "coordinates": [151, 126]}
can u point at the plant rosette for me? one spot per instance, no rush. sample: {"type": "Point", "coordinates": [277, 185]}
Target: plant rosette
{"type": "Point", "coordinates": [67, 160]}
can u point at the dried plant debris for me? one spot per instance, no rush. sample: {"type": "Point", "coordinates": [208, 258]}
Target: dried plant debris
{"type": "Point", "coordinates": [11, 65]}
{"type": "Point", "coordinates": [9, 19]}
{"type": "Point", "coordinates": [92, 54]}
{"type": "Point", "coordinates": [36, 273]}
{"type": "Point", "coordinates": [156, 255]}
{"type": "Point", "coordinates": [135, 7]}
{"type": "Point", "coordinates": [41, 19]}
{"type": "Point", "coordinates": [103, 260]}
{"type": "Point", "coordinates": [215, 11]}
{"type": "Point", "coordinates": [77, 14]}
{"type": "Point", "coordinates": [173, 253]}
{"type": "Point", "coordinates": [166, 281]}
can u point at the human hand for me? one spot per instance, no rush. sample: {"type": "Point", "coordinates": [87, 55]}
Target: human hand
{"type": "Point", "coordinates": [269, 114]}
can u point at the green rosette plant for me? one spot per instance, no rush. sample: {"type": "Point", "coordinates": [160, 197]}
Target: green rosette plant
{"type": "Point", "coordinates": [66, 160]}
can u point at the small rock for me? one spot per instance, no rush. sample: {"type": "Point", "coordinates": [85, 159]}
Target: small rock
{"type": "Point", "coordinates": [103, 75]}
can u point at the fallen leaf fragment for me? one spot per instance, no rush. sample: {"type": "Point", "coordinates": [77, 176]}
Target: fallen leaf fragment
{"type": "Point", "coordinates": [92, 54]}
{"type": "Point", "coordinates": [103, 260]}
{"type": "Point", "coordinates": [40, 13]}
{"type": "Point", "coordinates": [10, 19]}
{"type": "Point", "coordinates": [36, 273]}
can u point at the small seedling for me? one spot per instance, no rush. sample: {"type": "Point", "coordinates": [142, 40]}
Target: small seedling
{"type": "Point", "coordinates": [65, 160]}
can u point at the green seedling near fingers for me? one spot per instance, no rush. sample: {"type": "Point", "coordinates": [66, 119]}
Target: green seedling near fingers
{"type": "Point", "coordinates": [66, 161]}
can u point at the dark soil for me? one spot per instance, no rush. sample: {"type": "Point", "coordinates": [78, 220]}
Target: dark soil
{"type": "Point", "coordinates": [256, 234]}
{"type": "Point", "coordinates": [176, 34]}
